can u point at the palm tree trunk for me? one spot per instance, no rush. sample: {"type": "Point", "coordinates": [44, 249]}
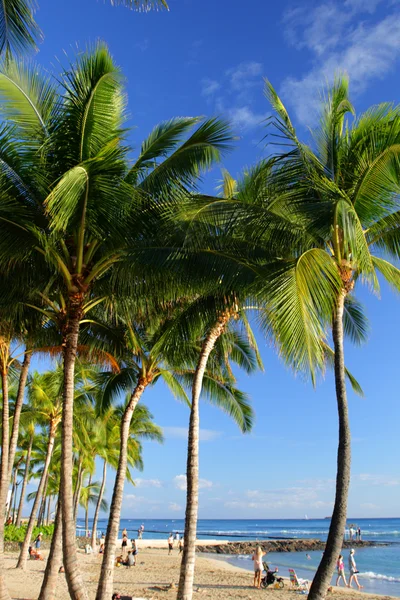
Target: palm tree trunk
{"type": "Point", "coordinates": [74, 580]}
{"type": "Point", "coordinates": [4, 479]}
{"type": "Point", "coordinates": [48, 511]}
{"type": "Point", "coordinates": [104, 590]}
{"type": "Point", "coordinates": [23, 557]}
{"type": "Point", "coordinates": [185, 590]}
{"type": "Point", "coordinates": [78, 489]}
{"type": "Point", "coordinates": [96, 512]}
{"type": "Point", "coordinates": [87, 509]}
{"type": "Point", "coordinates": [54, 562]}
{"type": "Point", "coordinates": [13, 492]}
{"type": "Point", "coordinates": [17, 411]}
{"type": "Point", "coordinates": [334, 542]}
{"type": "Point", "coordinates": [42, 509]}
{"type": "Point", "coordinates": [25, 481]}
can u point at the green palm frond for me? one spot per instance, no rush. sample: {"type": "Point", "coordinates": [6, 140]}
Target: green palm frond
{"type": "Point", "coordinates": [389, 272]}
{"type": "Point", "coordinates": [28, 97]}
{"type": "Point", "coordinates": [19, 31]}
{"type": "Point", "coordinates": [355, 322]}
{"type": "Point", "coordinates": [141, 5]}
{"type": "Point", "coordinates": [330, 360]}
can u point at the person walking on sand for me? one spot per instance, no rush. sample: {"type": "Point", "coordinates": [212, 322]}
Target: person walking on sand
{"type": "Point", "coordinates": [340, 571]}
{"type": "Point", "coordinates": [258, 566]}
{"type": "Point", "coordinates": [180, 545]}
{"type": "Point", "coordinates": [170, 543]}
{"type": "Point", "coordinates": [353, 570]}
{"type": "Point", "coordinates": [124, 545]}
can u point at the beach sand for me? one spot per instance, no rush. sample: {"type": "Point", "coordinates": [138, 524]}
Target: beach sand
{"type": "Point", "coordinates": [155, 570]}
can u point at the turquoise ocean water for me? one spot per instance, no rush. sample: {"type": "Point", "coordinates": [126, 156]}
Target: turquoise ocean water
{"type": "Point", "coordinates": [379, 566]}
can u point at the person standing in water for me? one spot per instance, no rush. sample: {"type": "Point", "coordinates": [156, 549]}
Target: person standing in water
{"type": "Point", "coordinates": [340, 570]}
{"type": "Point", "coordinates": [353, 570]}
{"type": "Point", "coordinates": [258, 566]}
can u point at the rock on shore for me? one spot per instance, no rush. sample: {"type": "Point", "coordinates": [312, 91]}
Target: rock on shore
{"type": "Point", "coordinates": [275, 546]}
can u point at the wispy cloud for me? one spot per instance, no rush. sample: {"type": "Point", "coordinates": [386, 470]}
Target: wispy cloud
{"type": "Point", "coordinates": [181, 484]}
{"type": "Point", "coordinates": [148, 483]}
{"type": "Point", "coordinates": [234, 93]}
{"type": "Point", "coordinates": [175, 507]}
{"type": "Point", "coordinates": [181, 433]}
{"type": "Point", "coordinates": [341, 38]}
{"type": "Point", "coordinates": [209, 86]}
{"type": "Point", "coordinates": [244, 75]}
{"type": "Point", "coordinates": [380, 480]}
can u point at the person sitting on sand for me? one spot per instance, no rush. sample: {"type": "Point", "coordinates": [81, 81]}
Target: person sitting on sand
{"type": "Point", "coordinates": [34, 554]}
{"type": "Point", "coordinates": [340, 570]}
{"type": "Point", "coordinates": [130, 560]}
{"type": "Point", "coordinates": [258, 566]}
{"type": "Point", "coordinates": [170, 543]}
{"type": "Point", "coordinates": [353, 570]}
{"type": "Point", "coordinates": [116, 596]}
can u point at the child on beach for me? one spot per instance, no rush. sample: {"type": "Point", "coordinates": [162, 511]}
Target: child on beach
{"type": "Point", "coordinates": [340, 570]}
{"type": "Point", "coordinates": [258, 566]}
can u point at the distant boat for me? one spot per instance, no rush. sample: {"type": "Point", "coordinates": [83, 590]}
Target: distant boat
{"type": "Point", "coordinates": [328, 518]}
{"type": "Point", "coordinates": [305, 518]}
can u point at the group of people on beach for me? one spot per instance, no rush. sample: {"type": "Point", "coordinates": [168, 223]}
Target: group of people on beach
{"type": "Point", "coordinates": [353, 533]}
{"type": "Point", "coordinates": [352, 569]}
{"type": "Point", "coordinates": [179, 542]}
{"type": "Point", "coordinates": [128, 556]}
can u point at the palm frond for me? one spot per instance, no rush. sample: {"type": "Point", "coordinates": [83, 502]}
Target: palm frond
{"type": "Point", "coordinates": [19, 32]}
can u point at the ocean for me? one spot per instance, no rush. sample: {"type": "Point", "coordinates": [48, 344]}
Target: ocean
{"type": "Point", "coordinates": [379, 566]}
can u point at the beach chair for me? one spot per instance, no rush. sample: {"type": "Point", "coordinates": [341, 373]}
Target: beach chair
{"type": "Point", "coordinates": [302, 585]}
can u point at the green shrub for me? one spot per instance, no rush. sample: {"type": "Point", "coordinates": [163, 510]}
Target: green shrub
{"type": "Point", "coordinates": [17, 534]}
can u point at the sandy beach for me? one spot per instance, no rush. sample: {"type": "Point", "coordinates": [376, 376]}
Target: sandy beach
{"type": "Point", "coordinates": [153, 576]}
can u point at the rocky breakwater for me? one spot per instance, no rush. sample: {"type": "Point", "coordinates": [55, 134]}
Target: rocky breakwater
{"type": "Point", "coordinates": [275, 546]}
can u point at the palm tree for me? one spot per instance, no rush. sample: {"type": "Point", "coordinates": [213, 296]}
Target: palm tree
{"type": "Point", "coordinates": [45, 402]}
{"type": "Point", "coordinates": [80, 175]}
{"type": "Point", "coordinates": [340, 199]}
{"type": "Point", "coordinates": [26, 443]}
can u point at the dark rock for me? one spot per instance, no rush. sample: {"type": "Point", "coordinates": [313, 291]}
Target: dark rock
{"type": "Point", "coordinates": [292, 545]}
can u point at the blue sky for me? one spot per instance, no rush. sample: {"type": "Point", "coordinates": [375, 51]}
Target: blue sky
{"type": "Point", "coordinates": [209, 58]}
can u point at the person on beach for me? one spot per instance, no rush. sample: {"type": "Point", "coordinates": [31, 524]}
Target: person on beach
{"type": "Point", "coordinates": [359, 534]}
{"type": "Point", "coordinates": [170, 543]}
{"type": "Point", "coordinates": [139, 533]}
{"type": "Point", "coordinates": [258, 566]}
{"type": "Point", "coordinates": [340, 570]}
{"type": "Point", "coordinates": [124, 532]}
{"type": "Point", "coordinates": [102, 544]}
{"type": "Point", "coordinates": [38, 540]}
{"type": "Point", "coordinates": [353, 570]}
{"type": "Point", "coordinates": [124, 545]}
{"type": "Point", "coordinates": [180, 545]}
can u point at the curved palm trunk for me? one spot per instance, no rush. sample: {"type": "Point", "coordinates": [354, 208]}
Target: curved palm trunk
{"type": "Point", "coordinates": [185, 590]}
{"type": "Point", "coordinates": [13, 493]}
{"type": "Point", "coordinates": [23, 557]}
{"type": "Point", "coordinates": [334, 542]}
{"type": "Point", "coordinates": [97, 511]}
{"type": "Point", "coordinates": [4, 479]}
{"type": "Point", "coordinates": [77, 495]}
{"type": "Point", "coordinates": [42, 509]}
{"type": "Point", "coordinates": [25, 481]}
{"type": "Point", "coordinates": [54, 562]}
{"type": "Point", "coordinates": [74, 580]}
{"type": "Point", "coordinates": [104, 590]}
{"type": "Point", "coordinates": [17, 411]}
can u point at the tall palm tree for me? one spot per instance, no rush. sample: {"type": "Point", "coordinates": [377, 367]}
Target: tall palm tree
{"type": "Point", "coordinates": [79, 194]}
{"type": "Point", "coordinates": [340, 198]}
{"type": "Point", "coordinates": [26, 442]}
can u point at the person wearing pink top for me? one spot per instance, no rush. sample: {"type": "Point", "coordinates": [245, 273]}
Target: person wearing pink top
{"type": "Point", "coordinates": [340, 570]}
{"type": "Point", "coordinates": [258, 566]}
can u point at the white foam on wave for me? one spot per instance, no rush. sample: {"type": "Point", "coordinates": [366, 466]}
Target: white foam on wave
{"type": "Point", "coordinates": [372, 575]}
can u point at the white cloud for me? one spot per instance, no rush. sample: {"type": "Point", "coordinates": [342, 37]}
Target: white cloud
{"type": "Point", "coordinates": [209, 86]}
{"type": "Point", "coordinates": [244, 75]}
{"type": "Point", "coordinates": [180, 483]}
{"type": "Point", "coordinates": [175, 507]}
{"type": "Point", "coordinates": [380, 480]}
{"type": "Point", "coordinates": [245, 118]}
{"type": "Point", "coordinates": [181, 433]}
{"type": "Point", "coordinates": [143, 483]}
{"type": "Point", "coordinates": [341, 38]}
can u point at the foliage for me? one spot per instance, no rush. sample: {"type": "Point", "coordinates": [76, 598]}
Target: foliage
{"type": "Point", "coordinates": [17, 534]}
